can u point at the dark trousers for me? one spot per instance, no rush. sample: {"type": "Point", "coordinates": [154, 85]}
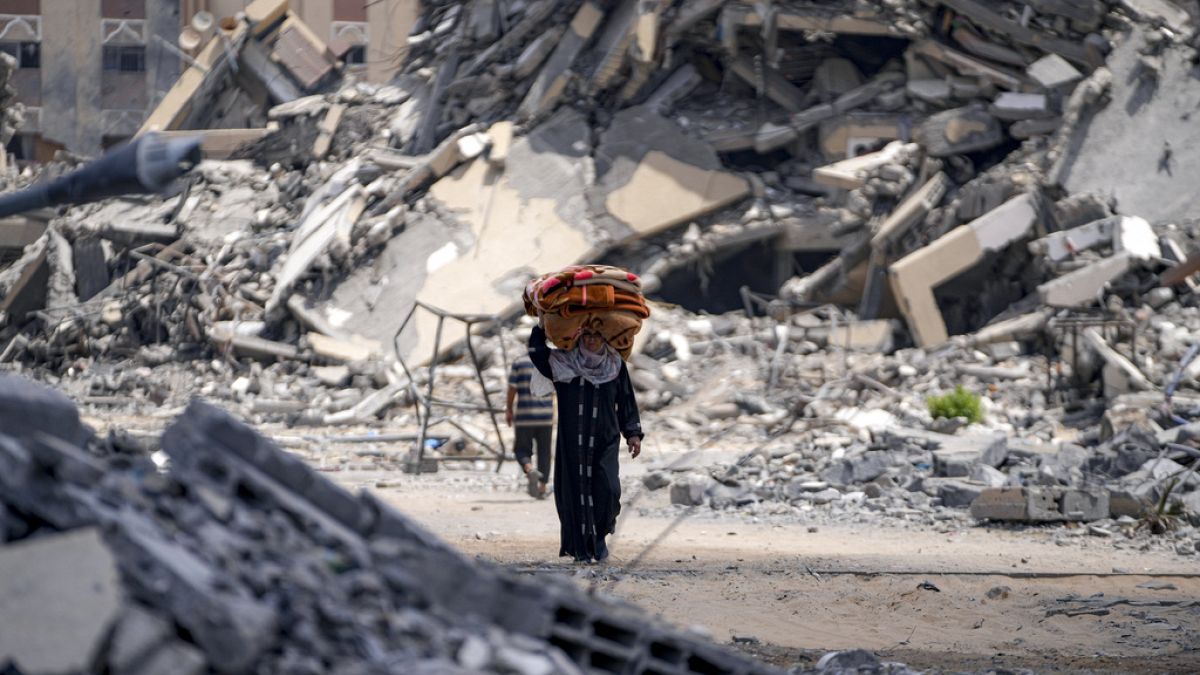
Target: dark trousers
{"type": "Point", "coordinates": [526, 437]}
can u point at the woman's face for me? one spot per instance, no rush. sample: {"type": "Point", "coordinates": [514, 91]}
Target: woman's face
{"type": "Point", "coordinates": [592, 342]}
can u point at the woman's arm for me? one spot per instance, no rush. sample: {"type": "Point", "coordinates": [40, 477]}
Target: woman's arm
{"type": "Point", "coordinates": [627, 408]}
{"type": "Point", "coordinates": [539, 352]}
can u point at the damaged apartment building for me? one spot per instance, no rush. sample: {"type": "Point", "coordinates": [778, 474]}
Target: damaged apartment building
{"type": "Point", "coordinates": [929, 168]}
{"type": "Point", "coordinates": [90, 71]}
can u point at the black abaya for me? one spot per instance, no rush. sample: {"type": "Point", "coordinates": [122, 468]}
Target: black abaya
{"type": "Point", "coordinates": [591, 420]}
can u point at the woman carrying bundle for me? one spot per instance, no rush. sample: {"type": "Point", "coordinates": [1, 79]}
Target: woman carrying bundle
{"type": "Point", "coordinates": [596, 406]}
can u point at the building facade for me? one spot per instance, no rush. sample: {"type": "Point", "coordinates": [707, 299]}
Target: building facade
{"type": "Point", "coordinates": [89, 71]}
{"type": "Point", "coordinates": [372, 34]}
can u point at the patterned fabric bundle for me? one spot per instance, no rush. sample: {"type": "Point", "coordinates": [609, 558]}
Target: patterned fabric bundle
{"type": "Point", "coordinates": [588, 298]}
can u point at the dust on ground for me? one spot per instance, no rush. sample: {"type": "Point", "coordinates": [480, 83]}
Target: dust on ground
{"type": "Point", "coordinates": [787, 593]}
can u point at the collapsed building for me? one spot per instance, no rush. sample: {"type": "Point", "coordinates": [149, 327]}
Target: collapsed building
{"type": "Point", "coordinates": [240, 558]}
{"type": "Point", "coordinates": [932, 193]}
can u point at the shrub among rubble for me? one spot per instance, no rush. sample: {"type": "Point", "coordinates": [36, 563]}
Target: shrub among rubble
{"type": "Point", "coordinates": [958, 403]}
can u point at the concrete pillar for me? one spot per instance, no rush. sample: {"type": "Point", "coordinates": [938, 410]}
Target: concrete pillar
{"type": "Point", "coordinates": [390, 22]}
{"type": "Point", "coordinates": [163, 66]}
{"type": "Point", "coordinates": [71, 74]}
{"type": "Point", "coordinates": [318, 14]}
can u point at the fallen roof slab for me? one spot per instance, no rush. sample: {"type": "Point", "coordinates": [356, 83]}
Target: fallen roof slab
{"type": "Point", "coordinates": [1155, 177]}
{"type": "Point", "coordinates": [915, 277]}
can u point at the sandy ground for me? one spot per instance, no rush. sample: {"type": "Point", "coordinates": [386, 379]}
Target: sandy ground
{"type": "Point", "coordinates": [787, 594]}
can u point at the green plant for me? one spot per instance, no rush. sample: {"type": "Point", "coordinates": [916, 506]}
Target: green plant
{"type": "Point", "coordinates": [1166, 515]}
{"type": "Point", "coordinates": [958, 403]}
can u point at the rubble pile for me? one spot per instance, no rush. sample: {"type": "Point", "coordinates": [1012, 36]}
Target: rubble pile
{"type": "Point", "coordinates": [916, 189]}
{"type": "Point", "coordinates": [845, 431]}
{"type": "Point", "coordinates": [239, 558]}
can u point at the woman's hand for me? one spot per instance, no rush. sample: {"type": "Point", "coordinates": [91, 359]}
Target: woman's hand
{"type": "Point", "coordinates": [635, 446]}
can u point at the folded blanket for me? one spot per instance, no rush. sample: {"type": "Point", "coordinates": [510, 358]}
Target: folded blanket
{"type": "Point", "coordinates": [538, 291]}
{"type": "Point", "coordinates": [588, 298]}
{"type": "Point", "coordinates": [580, 298]}
{"type": "Point", "coordinates": [618, 328]}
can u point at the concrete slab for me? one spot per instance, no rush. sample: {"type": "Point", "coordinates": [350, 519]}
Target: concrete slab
{"type": "Point", "coordinates": [1085, 285]}
{"type": "Point", "coordinates": [664, 191]}
{"type": "Point", "coordinates": [915, 277]}
{"type": "Point", "coordinates": [555, 74]}
{"type": "Point", "coordinates": [1059, 246]}
{"type": "Point", "coordinates": [959, 131]}
{"type": "Point", "coordinates": [59, 596]}
{"type": "Point", "coordinates": [1053, 71]}
{"type": "Point", "coordinates": [650, 175]}
{"type": "Point", "coordinates": [18, 232]}
{"type": "Point", "coordinates": [1148, 181]}
{"type": "Point", "coordinates": [492, 231]}
{"type": "Point", "coordinates": [851, 173]}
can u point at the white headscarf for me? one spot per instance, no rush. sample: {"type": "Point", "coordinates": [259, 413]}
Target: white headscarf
{"type": "Point", "coordinates": [594, 367]}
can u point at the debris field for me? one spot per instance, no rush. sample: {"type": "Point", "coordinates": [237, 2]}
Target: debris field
{"type": "Point", "coordinates": [914, 264]}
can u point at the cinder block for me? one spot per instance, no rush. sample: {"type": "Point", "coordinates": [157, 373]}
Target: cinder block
{"type": "Point", "coordinates": [1026, 505]}
{"type": "Point", "coordinates": [1085, 505]}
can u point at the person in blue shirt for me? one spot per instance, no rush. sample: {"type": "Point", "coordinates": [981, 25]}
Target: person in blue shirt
{"type": "Point", "coordinates": [532, 419]}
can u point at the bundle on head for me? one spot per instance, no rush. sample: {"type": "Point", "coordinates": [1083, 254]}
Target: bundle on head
{"type": "Point", "coordinates": [588, 298]}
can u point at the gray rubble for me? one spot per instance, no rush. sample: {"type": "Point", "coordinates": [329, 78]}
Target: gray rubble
{"type": "Point", "coordinates": [240, 558]}
{"type": "Point", "coordinates": [840, 210]}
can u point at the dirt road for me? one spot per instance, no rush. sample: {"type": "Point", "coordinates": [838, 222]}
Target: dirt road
{"type": "Point", "coordinates": [1002, 598]}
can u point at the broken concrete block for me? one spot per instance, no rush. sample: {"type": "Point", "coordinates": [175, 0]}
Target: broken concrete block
{"type": "Point", "coordinates": [23, 284]}
{"type": "Point", "coordinates": [172, 658]}
{"type": "Point", "coordinates": [26, 408]}
{"type": "Point", "coordinates": [1126, 503]}
{"type": "Point", "coordinates": [1084, 505]}
{"type": "Point", "coordinates": [536, 52]}
{"type": "Point", "coordinates": [915, 277]}
{"type": "Point", "coordinates": [654, 176]}
{"type": "Point", "coordinates": [1085, 15]}
{"type": "Point", "coordinates": [552, 80]}
{"type": "Point", "coordinates": [137, 634]}
{"type": "Point", "coordinates": [679, 84]}
{"type": "Point", "coordinates": [983, 15]}
{"type": "Point", "coordinates": [931, 91]}
{"type": "Point", "coordinates": [777, 87]}
{"type": "Point", "coordinates": [1134, 235]}
{"type": "Point", "coordinates": [1165, 11]}
{"type": "Point", "coordinates": [1039, 127]}
{"type": "Point", "coordinates": [332, 376]}
{"type": "Point", "coordinates": [59, 596]}
{"type": "Point", "coordinates": [1053, 71]}
{"type": "Point", "coordinates": [690, 490]}
{"type": "Point", "coordinates": [911, 211]}
{"type": "Point", "coordinates": [656, 480]}
{"type": "Point", "coordinates": [1014, 106]}
{"type": "Point", "coordinates": [851, 173]}
{"type": "Point", "coordinates": [91, 267]}
{"type": "Point", "coordinates": [988, 476]}
{"type": "Point", "coordinates": [345, 351]}
{"type": "Point", "coordinates": [877, 336]}
{"type": "Point", "coordinates": [959, 131]}
{"type": "Point", "coordinates": [18, 232]}
{"type": "Point", "coordinates": [1058, 246]}
{"type": "Point", "coordinates": [1085, 286]}
{"type": "Point", "coordinates": [850, 134]}
{"type": "Point", "coordinates": [1027, 505]}
{"type": "Point", "coordinates": [967, 64]}
{"type": "Point", "coordinates": [834, 77]}
{"type": "Point", "coordinates": [957, 494]}
{"type": "Point", "coordinates": [501, 134]}
{"type": "Point", "coordinates": [858, 469]}
{"type": "Point", "coordinates": [1129, 372]}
